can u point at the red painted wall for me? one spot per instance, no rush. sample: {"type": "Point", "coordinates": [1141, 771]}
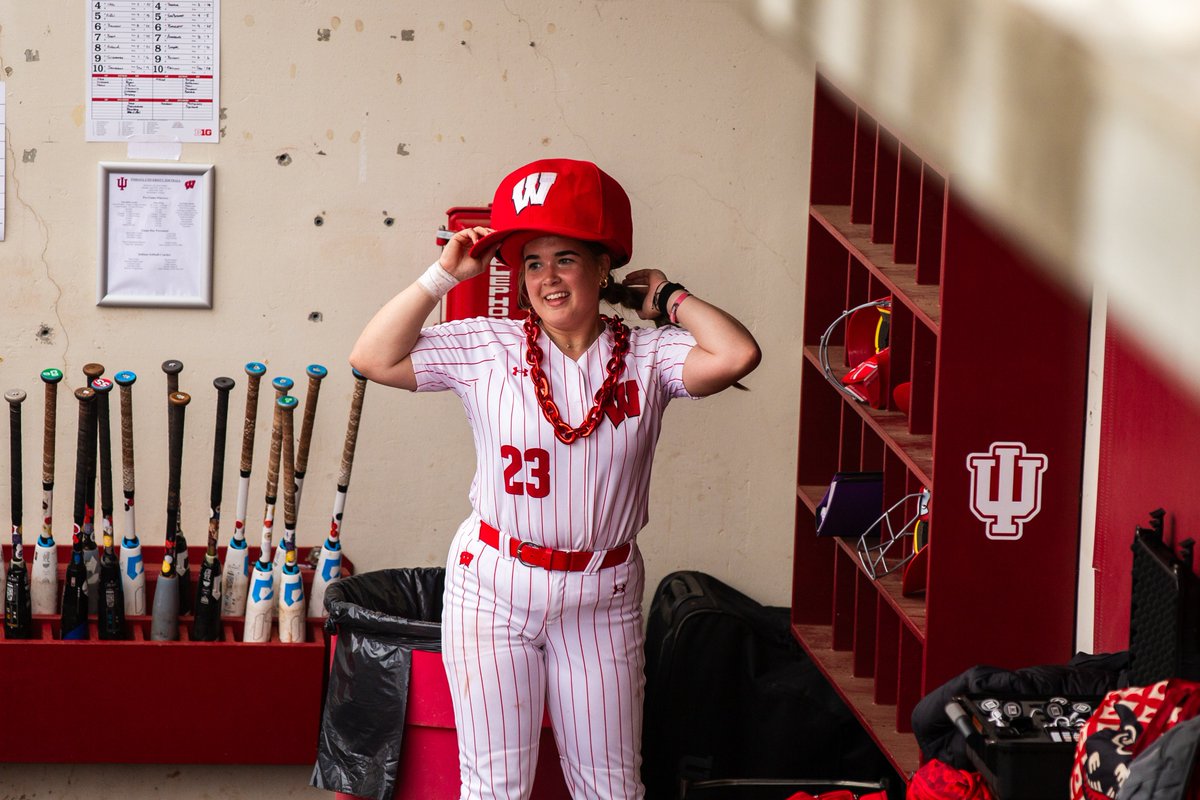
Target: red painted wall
{"type": "Point", "coordinates": [1149, 458]}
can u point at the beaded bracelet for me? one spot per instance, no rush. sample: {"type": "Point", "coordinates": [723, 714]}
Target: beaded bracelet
{"type": "Point", "coordinates": [684, 295]}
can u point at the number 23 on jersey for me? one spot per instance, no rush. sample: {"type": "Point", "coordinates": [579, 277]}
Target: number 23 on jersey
{"type": "Point", "coordinates": [534, 463]}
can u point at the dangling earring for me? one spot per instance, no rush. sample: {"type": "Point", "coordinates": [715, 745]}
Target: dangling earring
{"type": "Point", "coordinates": [604, 283]}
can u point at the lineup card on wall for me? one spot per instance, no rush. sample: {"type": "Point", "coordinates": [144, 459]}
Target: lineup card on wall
{"type": "Point", "coordinates": [153, 73]}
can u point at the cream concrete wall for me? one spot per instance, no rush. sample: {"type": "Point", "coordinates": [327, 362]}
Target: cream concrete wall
{"type": "Point", "coordinates": [402, 111]}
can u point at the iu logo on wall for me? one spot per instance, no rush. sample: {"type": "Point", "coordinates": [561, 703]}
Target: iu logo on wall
{"type": "Point", "coordinates": [1006, 487]}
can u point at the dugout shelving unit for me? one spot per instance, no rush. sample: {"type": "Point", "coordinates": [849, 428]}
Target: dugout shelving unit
{"type": "Point", "coordinates": [995, 353]}
{"type": "Point", "coordinates": [138, 701]}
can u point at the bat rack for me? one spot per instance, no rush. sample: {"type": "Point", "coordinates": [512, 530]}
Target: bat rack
{"type": "Point", "coordinates": [229, 702]}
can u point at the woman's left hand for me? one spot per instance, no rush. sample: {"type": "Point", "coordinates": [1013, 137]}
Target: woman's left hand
{"type": "Point", "coordinates": [651, 279]}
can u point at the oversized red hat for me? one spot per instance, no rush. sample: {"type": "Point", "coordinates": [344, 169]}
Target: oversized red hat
{"type": "Point", "coordinates": [564, 197]}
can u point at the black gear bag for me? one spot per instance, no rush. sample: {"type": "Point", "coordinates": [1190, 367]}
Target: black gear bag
{"type": "Point", "coordinates": [730, 694]}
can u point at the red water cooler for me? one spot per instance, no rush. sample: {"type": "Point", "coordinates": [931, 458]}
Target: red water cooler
{"type": "Point", "coordinates": [492, 294]}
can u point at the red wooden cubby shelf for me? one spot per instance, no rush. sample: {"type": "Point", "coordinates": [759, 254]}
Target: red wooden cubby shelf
{"type": "Point", "coordinates": [993, 353]}
{"type": "Point", "coordinates": [138, 701]}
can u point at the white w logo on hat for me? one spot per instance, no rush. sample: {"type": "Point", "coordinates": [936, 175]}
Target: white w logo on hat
{"type": "Point", "coordinates": [532, 190]}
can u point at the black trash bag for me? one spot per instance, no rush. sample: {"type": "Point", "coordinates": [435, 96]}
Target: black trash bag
{"type": "Point", "coordinates": [379, 619]}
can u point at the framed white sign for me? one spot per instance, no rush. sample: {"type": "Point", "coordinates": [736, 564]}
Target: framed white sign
{"type": "Point", "coordinates": [155, 235]}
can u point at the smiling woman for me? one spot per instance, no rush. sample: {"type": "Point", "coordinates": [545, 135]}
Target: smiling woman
{"type": "Point", "coordinates": [542, 608]}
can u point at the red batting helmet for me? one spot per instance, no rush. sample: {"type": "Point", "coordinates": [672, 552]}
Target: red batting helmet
{"type": "Point", "coordinates": [564, 197]}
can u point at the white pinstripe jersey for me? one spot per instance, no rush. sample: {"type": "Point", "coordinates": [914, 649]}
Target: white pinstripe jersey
{"type": "Point", "coordinates": [589, 495]}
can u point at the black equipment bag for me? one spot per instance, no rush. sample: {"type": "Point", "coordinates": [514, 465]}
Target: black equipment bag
{"type": "Point", "coordinates": [731, 694]}
{"type": "Point", "coordinates": [1164, 618]}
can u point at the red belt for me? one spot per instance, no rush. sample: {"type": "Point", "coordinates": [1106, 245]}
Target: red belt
{"type": "Point", "coordinates": [532, 555]}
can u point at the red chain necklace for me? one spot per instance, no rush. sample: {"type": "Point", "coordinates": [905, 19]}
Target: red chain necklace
{"type": "Point", "coordinates": [541, 384]}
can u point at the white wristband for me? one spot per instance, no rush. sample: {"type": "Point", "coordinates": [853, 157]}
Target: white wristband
{"type": "Point", "coordinates": [436, 281]}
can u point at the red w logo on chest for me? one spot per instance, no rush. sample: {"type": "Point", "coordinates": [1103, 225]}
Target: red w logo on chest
{"type": "Point", "coordinates": [626, 402]}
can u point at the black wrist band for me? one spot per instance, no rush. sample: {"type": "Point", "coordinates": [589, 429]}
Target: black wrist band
{"type": "Point", "coordinates": [663, 296]}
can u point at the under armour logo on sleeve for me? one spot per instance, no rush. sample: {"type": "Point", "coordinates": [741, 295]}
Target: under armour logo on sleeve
{"type": "Point", "coordinates": [465, 558]}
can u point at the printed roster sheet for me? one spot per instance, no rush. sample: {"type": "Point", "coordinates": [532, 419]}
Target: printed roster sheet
{"type": "Point", "coordinates": [153, 70]}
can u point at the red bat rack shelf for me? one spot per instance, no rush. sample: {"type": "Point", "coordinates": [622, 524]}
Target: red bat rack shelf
{"type": "Point", "coordinates": [224, 702]}
{"type": "Point", "coordinates": [992, 358]}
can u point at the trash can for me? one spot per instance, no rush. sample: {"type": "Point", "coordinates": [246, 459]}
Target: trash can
{"type": "Point", "coordinates": [387, 723]}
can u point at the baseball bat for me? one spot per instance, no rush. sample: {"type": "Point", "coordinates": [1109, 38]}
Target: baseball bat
{"type": "Point", "coordinates": [44, 573]}
{"type": "Point", "coordinates": [329, 565]}
{"type": "Point", "coordinates": [291, 585]}
{"type": "Point", "coordinates": [133, 568]}
{"type": "Point", "coordinates": [316, 373]}
{"type": "Point", "coordinates": [206, 627]}
{"type": "Point", "coordinates": [236, 578]}
{"type": "Point", "coordinates": [282, 386]}
{"type": "Point", "coordinates": [18, 611]}
{"type": "Point", "coordinates": [183, 566]}
{"type": "Point", "coordinates": [261, 599]}
{"type": "Point", "coordinates": [91, 558]}
{"type": "Point", "coordinates": [164, 614]}
{"type": "Point", "coordinates": [74, 614]}
{"type": "Point", "coordinates": [111, 620]}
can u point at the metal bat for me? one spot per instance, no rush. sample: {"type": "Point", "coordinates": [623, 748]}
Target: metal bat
{"type": "Point", "coordinates": [207, 624]}
{"type": "Point", "coordinates": [291, 585]}
{"type": "Point", "coordinates": [316, 373]}
{"type": "Point", "coordinates": [74, 615]}
{"type": "Point", "coordinates": [172, 368]}
{"type": "Point", "coordinates": [282, 386]}
{"type": "Point", "coordinates": [44, 573]}
{"type": "Point", "coordinates": [91, 555]}
{"type": "Point", "coordinates": [133, 568]}
{"type": "Point", "coordinates": [164, 620]}
{"type": "Point", "coordinates": [329, 565]}
{"type": "Point", "coordinates": [111, 619]}
{"type": "Point", "coordinates": [261, 599]}
{"type": "Point", "coordinates": [18, 612]}
{"type": "Point", "coordinates": [235, 580]}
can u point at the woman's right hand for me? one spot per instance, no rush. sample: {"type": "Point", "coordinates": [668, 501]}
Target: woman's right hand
{"type": "Point", "coordinates": [456, 255]}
